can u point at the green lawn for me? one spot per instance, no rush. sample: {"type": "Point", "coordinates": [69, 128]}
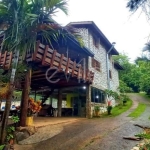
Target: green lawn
{"type": "Point", "coordinates": [117, 110]}
{"type": "Point", "coordinates": [138, 111]}
{"type": "Point", "coordinates": [143, 94]}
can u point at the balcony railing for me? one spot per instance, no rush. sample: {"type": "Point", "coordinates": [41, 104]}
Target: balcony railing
{"type": "Point", "coordinates": [44, 56]}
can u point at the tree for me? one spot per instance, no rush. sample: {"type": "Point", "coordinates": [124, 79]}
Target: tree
{"type": "Point", "coordinates": [131, 73]}
{"type": "Point", "coordinates": [144, 66]}
{"type": "Point", "coordinates": [22, 23]}
{"type": "Point", "coordinates": [133, 5]}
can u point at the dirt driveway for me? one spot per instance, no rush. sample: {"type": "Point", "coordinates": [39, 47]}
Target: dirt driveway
{"type": "Point", "coordinates": [96, 134]}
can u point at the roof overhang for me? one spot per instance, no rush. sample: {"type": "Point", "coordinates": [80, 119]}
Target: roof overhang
{"type": "Point", "coordinates": [75, 43]}
{"type": "Point", "coordinates": [118, 66]}
{"type": "Point", "coordinates": [91, 25]}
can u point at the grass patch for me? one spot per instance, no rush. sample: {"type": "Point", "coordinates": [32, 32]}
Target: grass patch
{"type": "Point", "coordinates": [117, 110]}
{"type": "Point", "coordinates": [138, 111]}
{"type": "Point", "coordinates": [143, 94]}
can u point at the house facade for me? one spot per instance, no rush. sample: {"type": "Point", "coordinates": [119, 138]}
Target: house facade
{"type": "Point", "coordinates": [70, 77]}
{"type": "Point", "coordinates": [104, 68]}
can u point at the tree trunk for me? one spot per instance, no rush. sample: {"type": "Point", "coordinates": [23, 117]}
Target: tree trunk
{"type": "Point", "coordinates": [25, 98]}
{"type": "Point", "coordinates": [8, 99]}
{"type": "Point", "coordinates": [6, 115]}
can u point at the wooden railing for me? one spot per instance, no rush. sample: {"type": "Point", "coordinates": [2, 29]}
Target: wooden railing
{"type": "Point", "coordinates": [45, 56]}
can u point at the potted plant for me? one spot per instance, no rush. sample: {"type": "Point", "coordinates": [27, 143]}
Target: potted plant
{"type": "Point", "coordinates": [97, 109]}
{"type": "Point", "coordinates": [109, 107]}
{"type": "Point", "coordinates": [34, 107]}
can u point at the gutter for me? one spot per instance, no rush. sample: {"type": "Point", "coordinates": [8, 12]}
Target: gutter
{"type": "Point", "coordinates": [107, 65]}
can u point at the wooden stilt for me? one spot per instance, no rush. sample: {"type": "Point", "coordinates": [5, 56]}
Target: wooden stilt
{"type": "Point", "coordinates": [88, 102]}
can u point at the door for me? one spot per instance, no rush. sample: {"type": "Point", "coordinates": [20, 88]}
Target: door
{"type": "Point", "coordinates": [75, 105]}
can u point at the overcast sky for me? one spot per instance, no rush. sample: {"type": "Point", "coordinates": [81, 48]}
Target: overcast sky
{"type": "Point", "coordinates": [130, 32]}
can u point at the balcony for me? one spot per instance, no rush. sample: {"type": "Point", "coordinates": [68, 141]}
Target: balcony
{"type": "Point", "coordinates": [45, 57]}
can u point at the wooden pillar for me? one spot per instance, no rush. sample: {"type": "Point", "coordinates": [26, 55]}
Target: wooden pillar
{"type": "Point", "coordinates": [25, 98]}
{"type": "Point", "coordinates": [59, 104]}
{"type": "Point", "coordinates": [88, 102]}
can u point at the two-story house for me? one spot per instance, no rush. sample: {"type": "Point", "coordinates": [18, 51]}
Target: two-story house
{"type": "Point", "coordinates": [102, 64]}
{"type": "Point", "coordinates": [70, 77]}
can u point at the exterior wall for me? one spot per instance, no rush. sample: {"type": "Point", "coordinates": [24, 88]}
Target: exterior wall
{"type": "Point", "coordinates": [100, 77]}
{"type": "Point", "coordinates": [115, 79]}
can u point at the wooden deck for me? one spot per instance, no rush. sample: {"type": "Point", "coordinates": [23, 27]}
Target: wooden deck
{"type": "Point", "coordinates": [44, 56]}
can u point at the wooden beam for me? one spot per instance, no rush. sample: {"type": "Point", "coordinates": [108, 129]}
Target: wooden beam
{"type": "Point", "coordinates": [67, 66]}
{"type": "Point", "coordinates": [36, 50]}
{"type": "Point", "coordinates": [53, 58]}
{"type": "Point", "coordinates": [79, 71]}
{"type": "Point", "coordinates": [45, 53]}
{"type": "Point", "coordinates": [8, 60]}
{"type": "Point", "coordinates": [73, 69]}
{"type": "Point", "coordinates": [3, 58]}
{"type": "Point", "coordinates": [60, 63]}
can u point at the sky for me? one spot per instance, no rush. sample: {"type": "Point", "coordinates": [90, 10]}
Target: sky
{"type": "Point", "coordinates": [129, 31]}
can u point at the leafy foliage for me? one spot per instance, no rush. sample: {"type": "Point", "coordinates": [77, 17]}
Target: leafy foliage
{"type": "Point", "coordinates": [130, 76]}
{"type": "Point", "coordinates": [15, 119]}
{"type": "Point", "coordinates": [11, 129]}
{"type": "Point", "coordinates": [133, 5]}
{"type": "Point", "coordinates": [23, 21]}
{"type": "Point", "coordinates": [2, 147]}
{"type": "Point", "coordinates": [143, 136]}
{"type": "Point", "coordinates": [123, 88]}
{"type": "Point", "coordinates": [97, 108]}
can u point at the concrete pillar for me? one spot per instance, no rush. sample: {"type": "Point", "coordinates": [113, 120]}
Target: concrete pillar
{"type": "Point", "coordinates": [59, 104]}
{"type": "Point", "coordinates": [88, 102]}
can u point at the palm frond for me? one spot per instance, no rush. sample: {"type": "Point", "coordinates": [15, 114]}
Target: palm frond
{"type": "Point", "coordinates": [133, 5]}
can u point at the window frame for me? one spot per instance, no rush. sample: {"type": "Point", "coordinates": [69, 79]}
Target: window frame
{"type": "Point", "coordinates": [96, 41]}
{"type": "Point", "coordinates": [96, 64]}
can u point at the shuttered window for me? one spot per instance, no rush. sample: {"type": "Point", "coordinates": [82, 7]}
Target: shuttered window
{"type": "Point", "coordinates": [96, 41]}
{"type": "Point", "coordinates": [96, 64]}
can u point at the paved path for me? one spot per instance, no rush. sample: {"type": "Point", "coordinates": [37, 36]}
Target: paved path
{"type": "Point", "coordinates": [96, 134]}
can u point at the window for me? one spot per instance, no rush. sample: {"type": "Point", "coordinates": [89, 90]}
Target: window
{"type": "Point", "coordinates": [97, 95]}
{"type": "Point", "coordinates": [96, 41]}
{"type": "Point", "coordinates": [110, 74]}
{"type": "Point", "coordinates": [96, 64]}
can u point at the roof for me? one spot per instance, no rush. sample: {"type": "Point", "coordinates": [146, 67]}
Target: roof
{"type": "Point", "coordinates": [96, 30]}
{"type": "Point", "coordinates": [75, 43]}
{"type": "Point", "coordinates": [118, 66]}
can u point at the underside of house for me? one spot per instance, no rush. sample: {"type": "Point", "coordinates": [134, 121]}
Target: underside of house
{"type": "Point", "coordinates": [58, 77]}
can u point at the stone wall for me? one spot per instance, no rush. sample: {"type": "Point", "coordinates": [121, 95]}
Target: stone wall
{"type": "Point", "coordinates": [115, 79]}
{"type": "Point", "coordinates": [100, 77]}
